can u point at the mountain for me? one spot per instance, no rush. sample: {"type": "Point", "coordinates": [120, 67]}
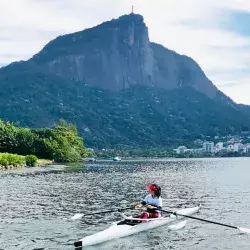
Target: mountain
{"type": "Point", "coordinates": [119, 88]}
{"type": "Point", "coordinates": [123, 56]}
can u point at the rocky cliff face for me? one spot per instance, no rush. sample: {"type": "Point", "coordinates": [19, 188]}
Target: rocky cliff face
{"type": "Point", "coordinates": [178, 71]}
{"type": "Point", "coordinates": [114, 55]}
{"type": "Point", "coordinates": [117, 55]}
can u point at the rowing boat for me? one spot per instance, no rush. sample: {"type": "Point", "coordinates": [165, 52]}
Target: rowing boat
{"type": "Point", "coordinates": [130, 226]}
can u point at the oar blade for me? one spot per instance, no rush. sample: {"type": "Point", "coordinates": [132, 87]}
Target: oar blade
{"type": "Point", "coordinates": [177, 226]}
{"type": "Point", "coordinates": [244, 230]}
{"type": "Point", "coordinates": [77, 216]}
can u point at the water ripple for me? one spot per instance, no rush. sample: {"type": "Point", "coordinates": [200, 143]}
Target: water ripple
{"type": "Point", "coordinates": [36, 206]}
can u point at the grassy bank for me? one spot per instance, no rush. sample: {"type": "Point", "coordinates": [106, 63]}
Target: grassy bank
{"type": "Point", "coordinates": [11, 161]}
{"type": "Point", "coordinates": [44, 162]}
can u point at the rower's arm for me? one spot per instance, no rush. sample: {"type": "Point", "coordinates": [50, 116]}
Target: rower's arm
{"type": "Point", "coordinates": [155, 208]}
{"type": "Point", "coordinates": [143, 203]}
{"type": "Point", "coordinates": [158, 207]}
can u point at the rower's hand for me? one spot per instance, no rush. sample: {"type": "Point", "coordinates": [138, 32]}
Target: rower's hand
{"type": "Point", "coordinates": [150, 207]}
{"type": "Point", "coordinates": [138, 206]}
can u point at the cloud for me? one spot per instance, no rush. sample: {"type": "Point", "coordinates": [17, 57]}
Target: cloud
{"type": "Point", "coordinates": [214, 33]}
{"type": "Point", "coordinates": [238, 88]}
{"type": "Point", "coordinates": [238, 21]}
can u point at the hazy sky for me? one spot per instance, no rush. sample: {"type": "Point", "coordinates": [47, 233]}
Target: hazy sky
{"type": "Point", "coordinates": [215, 33]}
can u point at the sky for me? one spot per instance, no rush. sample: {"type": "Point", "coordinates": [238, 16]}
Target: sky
{"type": "Point", "coordinates": [215, 33]}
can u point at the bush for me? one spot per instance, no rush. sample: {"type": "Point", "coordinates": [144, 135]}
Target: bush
{"type": "Point", "coordinates": [11, 159]}
{"type": "Point", "coordinates": [4, 159]}
{"type": "Point", "coordinates": [15, 160]}
{"type": "Point", "coordinates": [31, 160]}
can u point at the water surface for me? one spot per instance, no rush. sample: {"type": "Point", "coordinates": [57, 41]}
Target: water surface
{"type": "Point", "coordinates": [36, 205]}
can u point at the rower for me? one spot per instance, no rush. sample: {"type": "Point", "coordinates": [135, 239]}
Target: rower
{"type": "Point", "coordinates": [152, 201]}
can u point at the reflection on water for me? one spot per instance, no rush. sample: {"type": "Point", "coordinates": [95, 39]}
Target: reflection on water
{"type": "Point", "coordinates": [36, 206]}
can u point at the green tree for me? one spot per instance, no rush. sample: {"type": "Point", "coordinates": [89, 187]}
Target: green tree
{"type": "Point", "coordinates": [8, 141]}
{"type": "Point", "coordinates": [61, 142]}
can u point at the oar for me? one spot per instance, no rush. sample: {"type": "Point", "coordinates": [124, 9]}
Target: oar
{"type": "Point", "coordinates": [79, 216]}
{"type": "Point", "coordinates": [242, 229]}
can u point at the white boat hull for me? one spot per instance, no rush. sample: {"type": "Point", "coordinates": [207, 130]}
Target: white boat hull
{"type": "Point", "coordinates": [118, 231]}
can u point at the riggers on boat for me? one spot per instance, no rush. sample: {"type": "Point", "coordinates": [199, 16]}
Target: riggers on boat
{"type": "Point", "coordinates": [130, 226]}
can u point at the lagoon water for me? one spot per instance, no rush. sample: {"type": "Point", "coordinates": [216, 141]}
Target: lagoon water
{"type": "Point", "coordinates": [35, 206]}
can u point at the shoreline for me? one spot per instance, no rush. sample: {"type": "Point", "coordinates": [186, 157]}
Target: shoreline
{"type": "Point", "coordinates": [36, 169]}
{"type": "Point", "coordinates": [48, 163]}
{"type": "Point", "coordinates": [40, 163]}
{"type": "Point", "coordinates": [167, 157]}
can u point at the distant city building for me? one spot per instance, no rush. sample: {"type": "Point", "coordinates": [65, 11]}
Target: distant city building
{"type": "Point", "coordinates": [246, 148]}
{"type": "Point", "coordinates": [230, 148]}
{"type": "Point", "coordinates": [219, 146]}
{"type": "Point", "coordinates": [208, 147]}
{"type": "Point", "coordinates": [238, 147]}
{"type": "Point", "coordinates": [197, 150]}
{"type": "Point", "coordinates": [234, 140]}
{"type": "Point", "coordinates": [181, 150]}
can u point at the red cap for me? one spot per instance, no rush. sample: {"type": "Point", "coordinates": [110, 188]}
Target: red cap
{"type": "Point", "coordinates": [152, 187]}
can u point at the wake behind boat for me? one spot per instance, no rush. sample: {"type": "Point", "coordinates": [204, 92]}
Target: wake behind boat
{"type": "Point", "coordinates": [130, 226]}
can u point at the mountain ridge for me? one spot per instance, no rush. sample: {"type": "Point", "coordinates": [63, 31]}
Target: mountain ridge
{"type": "Point", "coordinates": [109, 78]}
{"type": "Point", "coordinates": [128, 44]}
